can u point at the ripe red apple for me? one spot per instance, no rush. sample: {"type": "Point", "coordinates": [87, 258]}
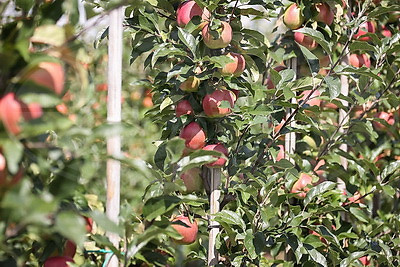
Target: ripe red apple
{"type": "Point", "coordinates": [59, 261]}
{"type": "Point", "coordinates": [220, 148]}
{"type": "Point", "coordinates": [69, 249]}
{"type": "Point", "coordinates": [211, 103]}
{"type": "Point", "coordinates": [359, 60]}
{"type": "Point", "coordinates": [314, 100]}
{"type": "Point", "coordinates": [300, 186]}
{"type": "Point", "coordinates": [50, 75]}
{"type": "Point", "coordinates": [325, 13]}
{"type": "Point", "coordinates": [12, 110]}
{"type": "Point", "coordinates": [388, 117]}
{"type": "Point", "coordinates": [223, 39]}
{"type": "Point", "coordinates": [183, 107]}
{"type": "Point", "coordinates": [186, 229]}
{"type": "Point", "coordinates": [386, 32]}
{"type": "Point", "coordinates": [3, 169]}
{"type": "Point", "coordinates": [293, 17]}
{"type": "Point", "coordinates": [366, 27]}
{"type": "Point", "coordinates": [269, 83]}
{"type": "Point", "coordinates": [102, 87]}
{"type": "Point", "coordinates": [364, 260]}
{"type": "Point", "coordinates": [235, 68]}
{"type": "Point", "coordinates": [189, 9]}
{"type": "Point", "coordinates": [89, 224]}
{"type": "Point", "coordinates": [191, 84]}
{"type": "Point", "coordinates": [192, 180]}
{"type": "Point", "coordinates": [194, 135]}
{"type": "Point", "coordinates": [236, 92]}
{"type": "Point", "coordinates": [305, 40]}
{"type": "Point", "coordinates": [281, 153]}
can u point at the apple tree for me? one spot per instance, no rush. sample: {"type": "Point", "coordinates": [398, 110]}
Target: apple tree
{"type": "Point", "coordinates": [302, 120]}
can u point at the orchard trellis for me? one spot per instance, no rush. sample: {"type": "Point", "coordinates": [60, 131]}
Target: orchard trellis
{"type": "Point", "coordinates": [293, 134]}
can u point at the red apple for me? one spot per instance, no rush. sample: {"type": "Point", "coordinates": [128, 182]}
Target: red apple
{"type": "Point", "coordinates": [359, 60]}
{"type": "Point", "coordinates": [69, 249]}
{"type": "Point", "coordinates": [89, 224]}
{"type": "Point", "coordinates": [366, 27]}
{"type": "Point", "coordinates": [192, 180]}
{"type": "Point", "coordinates": [386, 32]}
{"type": "Point", "coordinates": [388, 117]}
{"type": "Point", "coordinates": [59, 261]}
{"type": "Point", "coordinates": [211, 103]}
{"type": "Point", "coordinates": [220, 148]}
{"type": "Point", "coordinates": [194, 135]}
{"type": "Point", "coordinates": [270, 84]}
{"type": "Point", "coordinates": [293, 17]}
{"type": "Point", "coordinates": [186, 229]}
{"type": "Point", "coordinates": [236, 92]}
{"type": "Point", "coordinates": [183, 107]}
{"type": "Point", "coordinates": [281, 153]}
{"type": "Point", "coordinates": [102, 87]}
{"type": "Point", "coordinates": [189, 9]}
{"type": "Point", "coordinates": [220, 38]}
{"type": "Point", "coordinates": [314, 100]}
{"type": "Point", "coordinates": [12, 110]}
{"type": "Point", "coordinates": [325, 13]}
{"type": "Point", "coordinates": [364, 260]}
{"type": "Point", "coordinates": [3, 169]}
{"type": "Point", "coordinates": [305, 40]}
{"type": "Point", "coordinates": [191, 84]}
{"type": "Point", "coordinates": [300, 186]}
{"type": "Point", "coordinates": [50, 75]}
{"type": "Point", "coordinates": [235, 68]}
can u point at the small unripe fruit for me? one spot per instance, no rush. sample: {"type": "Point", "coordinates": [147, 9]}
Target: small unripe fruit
{"type": "Point", "coordinates": [325, 13]}
{"type": "Point", "coordinates": [186, 229]}
{"type": "Point", "coordinates": [220, 162]}
{"type": "Point", "coordinates": [194, 135]}
{"type": "Point", "coordinates": [293, 18]}
{"type": "Point", "coordinates": [183, 107]}
{"type": "Point", "coordinates": [235, 68]}
{"type": "Point", "coordinates": [359, 60]}
{"type": "Point", "coordinates": [305, 40]}
{"type": "Point", "coordinates": [189, 9]}
{"type": "Point", "coordinates": [211, 103]}
{"type": "Point", "coordinates": [214, 42]}
{"type": "Point", "coordinates": [191, 84]}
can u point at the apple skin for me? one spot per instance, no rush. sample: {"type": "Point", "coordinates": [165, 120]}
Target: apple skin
{"type": "Point", "coordinates": [386, 32]}
{"type": "Point", "coordinates": [314, 100]}
{"type": "Point", "coordinates": [269, 83]}
{"type": "Point", "coordinates": [224, 39]}
{"type": "Point", "coordinates": [192, 180]}
{"type": "Point", "coordinates": [89, 224]}
{"type": "Point", "coordinates": [305, 41]}
{"type": "Point", "coordinates": [211, 103]}
{"type": "Point", "coordinates": [184, 107]}
{"type": "Point", "coordinates": [189, 9]}
{"type": "Point", "coordinates": [364, 260]}
{"type": "Point", "coordinates": [281, 153]}
{"type": "Point", "coordinates": [191, 84]}
{"type": "Point", "coordinates": [369, 26]}
{"type": "Point", "coordinates": [187, 231]}
{"type": "Point", "coordinates": [359, 60]}
{"type": "Point", "coordinates": [12, 110]}
{"type": "Point", "coordinates": [235, 68]}
{"type": "Point", "coordinates": [300, 186]}
{"type": "Point", "coordinates": [59, 261]}
{"type": "Point", "coordinates": [293, 18]}
{"type": "Point", "coordinates": [325, 13]}
{"type": "Point", "coordinates": [102, 87]}
{"type": "Point", "coordinates": [220, 162]}
{"type": "Point", "coordinates": [194, 135]}
{"type": "Point", "coordinates": [3, 169]}
{"type": "Point", "coordinates": [388, 117]}
{"type": "Point", "coordinates": [50, 75]}
{"type": "Point", "coordinates": [69, 249]}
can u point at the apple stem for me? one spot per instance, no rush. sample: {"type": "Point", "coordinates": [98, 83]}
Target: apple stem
{"type": "Point", "coordinates": [114, 116]}
{"type": "Point", "coordinates": [215, 181]}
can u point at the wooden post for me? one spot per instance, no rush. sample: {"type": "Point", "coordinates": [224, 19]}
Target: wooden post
{"type": "Point", "coordinates": [215, 194]}
{"type": "Point", "coordinates": [114, 116]}
{"type": "Point", "coordinates": [343, 120]}
{"type": "Point", "coordinates": [290, 138]}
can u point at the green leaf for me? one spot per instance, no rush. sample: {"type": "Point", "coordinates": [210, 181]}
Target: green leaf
{"type": "Point", "coordinates": [49, 34]}
{"type": "Point", "coordinates": [318, 191]}
{"type": "Point", "coordinates": [188, 40]}
{"type": "Point", "coordinates": [248, 244]}
{"type": "Point", "coordinates": [312, 60]}
{"type": "Point", "coordinates": [317, 256]}
{"type": "Point", "coordinates": [13, 152]}
{"type": "Point", "coordinates": [389, 169]}
{"type": "Point", "coordinates": [334, 86]}
{"type": "Point", "coordinates": [359, 214]}
{"type": "Point", "coordinates": [72, 226]}
{"type": "Point", "coordinates": [158, 206]}
{"type": "Point", "coordinates": [317, 36]}
{"type": "Point", "coordinates": [361, 45]}
{"type": "Point", "coordinates": [231, 218]}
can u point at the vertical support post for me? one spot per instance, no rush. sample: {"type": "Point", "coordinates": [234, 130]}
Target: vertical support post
{"type": "Point", "coordinates": [343, 120]}
{"type": "Point", "coordinates": [114, 116]}
{"type": "Point", "coordinates": [215, 194]}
